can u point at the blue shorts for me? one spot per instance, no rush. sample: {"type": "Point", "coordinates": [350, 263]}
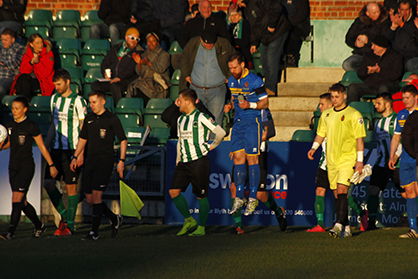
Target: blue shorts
{"type": "Point", "coordinates": [246, 135]}
{"type": "Point", "coordinates": [407, 173]}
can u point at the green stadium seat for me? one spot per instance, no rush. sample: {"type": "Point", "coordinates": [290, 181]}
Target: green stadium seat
{"type": "Point", "coordinates": [8, 100]}
{"type": "Point", "coordinates": [315, 119]}
{"type": "Point", "coordinates": [90, 18]}
{"type": "Point", "coordinates": [158, 135]}
{"type": "Point", "coordinates": [256, 55]}
{"type": "Point", "coordinates": [92, 75]}
{"type": "Point", "coordinates": [40, 112]}
{"type": "Point", "coordinates": [41, 30]}
{"type": "Point", "coordinates": [134, 134]}
{"type": "Point", "coordinates": [76, 88]}
{"type": "Point", "coordinates": [96, 47]}
{"type": "Point", "coordinates": [258, 67]}
{"type": "Point", "coordinates": [40, 104]}
{"type": "Point", "coordinates": [130, 105]}
{"type": "Point", "coordinates": [175, 78]}
{"type": "Point", "coordinates": [303, 136]}
{"type": "Point", "coordinates": [75, 72]}
{"type": "Point", "coordinates": [91, 61]}
{"type": "Point", "coordinates": [68, 61]}
{"type": "Point", "coordinates": [67, 18]}
{"type": "Point", "coordinates": [154, 121]}
{"type": "Point", "coordinates": [62, 32]}
{"type": "Point", "coordinates": [69, 46]}
{"type": "Point", "coordinates": [174, 92]}
{"type": "Point", "coordinates": [349, 78]}
{"type": "Point", "coordinates": [157, 105]}
{"type": "Point", "coordinates": [39, 18]}
{"type": "Point", "coordinates": [175, 48]}
{"type": "Point", "coordinates": [129, 120]}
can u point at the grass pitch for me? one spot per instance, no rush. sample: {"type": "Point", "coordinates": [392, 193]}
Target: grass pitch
{"type": "Point", "coordinates": [151, 251]}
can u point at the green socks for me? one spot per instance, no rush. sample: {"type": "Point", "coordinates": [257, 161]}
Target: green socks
{"type": "Point", "coordinates": [319, 209]}
{"type": "Point", "coordinates": [72, 209]}
{"type": "Point", "coordinates": [203, 211]}
{"type": "Point", "coordinates": [237, 217]}
{"type": "Point", "coordinates": [56, 199]}
{"type": "Point", "coordinates": [181, 204]}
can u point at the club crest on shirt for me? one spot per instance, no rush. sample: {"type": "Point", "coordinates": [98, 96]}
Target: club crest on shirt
{"type": "Point", "coordinates": [195, 124]}
{"type": "Point", "coordinates": [22, 139]}
{"type": "Point", "coordinates": [327, 115]}
{"type": "Point", "coordinates": [360, 121]}
{"type": "Point", "coordinates": [246, 84]}
{"type": "Point", "coordinates": [102, 133]}
{"type": "Point", "coordinates": [342, 118]}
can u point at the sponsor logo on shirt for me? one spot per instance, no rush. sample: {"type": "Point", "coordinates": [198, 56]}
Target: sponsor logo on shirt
{"type": "Point", "coordinates": [102, 133]}
{"type": "Point", "coordinates": [22, 139]}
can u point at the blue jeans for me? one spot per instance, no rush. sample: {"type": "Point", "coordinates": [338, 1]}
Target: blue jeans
{"type": "Point", "coordinates": [352, 63]}
{"type": "Point", "coordinates": [101, 31]}
{"type": "Point", "coordinates": [213, 99]}
{"type": "Point", "coordinates": [5, 86]}
{"type": "Point", "coordinates": [411, 65]}
{"type": "Point", "coordinates": [271, 56]}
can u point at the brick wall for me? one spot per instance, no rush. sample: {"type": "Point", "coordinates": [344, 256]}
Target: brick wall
{"type": "Point", "coordinates": [320, 9]}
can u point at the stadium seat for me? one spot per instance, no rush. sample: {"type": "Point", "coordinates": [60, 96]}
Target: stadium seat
{"type": "Point", "coordinates": [158, 136]}
{"type": "Point", "coordinates": [134, 134]}
{"type": "Point", "coordinates": [41, 104]}
{"type": "Point", "coordinates": [154, 121]}
{"type": "Point", "coordinates": [175, 48]}
{"type": "Point", "coordinates": [90, 18]}
{"type": "Point", "coordinates": [41, 30]}
{"type": "Point", "coordinates": [129, 120]}
{"type": "Point", "coordinates": [76, 88]}
{"type": "Point", "coordinates": [367, 111]}
{"type": "Point", "coordinates": [7, 100]}
{"type": "Point", "coordinates": [349, 78]}
{"type": "Point", "coordinates": [92, 75]}
{"type": "Point", "coordinates": [130, 105]}
{"type": "Point", "coordinates": [175, 78]}
{"type": "Point", "coordinates": [303, 136]}
{"type": "Point", "coordinates": [69, 46]}
{"type": "Point", "coordinates": [68, 61]}
{"type": "Point", "coordinates": [174, 92]}
{"type": "Point", "coordinates": [39, 18]}
{"type": "Point", "coordinates": [62, 32]}
{"type": "Point", "coordinates": [75, 72]}
{"type": "Point", "coordinates": [258, 67]}
{"type": "Point", "coordinates": [67, 18]}
{"type": "Point", "coordinates": [157, 105]}
{"type": "Point", "coordinates": [405, 76]}
{"type": "Point", "coordinates": [40, 112]}
{"type": "Point", "coordinates": [91, 61]}
{"type": "Point", "coordinates": [315, 119]}
{"type": "Point", "coordinates": [96, 47]}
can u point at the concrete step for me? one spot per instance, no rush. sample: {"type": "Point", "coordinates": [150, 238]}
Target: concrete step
{"type": "Point", "coordinates": [292, 118]}
{"type": "Point", "coordinates": [311, 89]}
{"type": "Point", "coordinates": [293, 103]}
{"type": "Point", "coordinates": [285, 133]}
{"type": "Point", "coordinates": [308, 74]}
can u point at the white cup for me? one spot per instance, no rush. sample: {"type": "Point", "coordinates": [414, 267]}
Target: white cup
{"type": "Point", "coordinates": [108, 73]}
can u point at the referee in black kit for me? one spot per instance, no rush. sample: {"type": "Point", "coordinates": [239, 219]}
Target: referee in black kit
{"type": "Point", "coordinates": [98, 133]}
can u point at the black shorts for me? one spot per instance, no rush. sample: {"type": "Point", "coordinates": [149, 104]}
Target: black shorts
{"type": "Point", "coordinates": [381, 176]}
{"type": "Point", "coordinates": [96, 175]}
{"type": "Point", "coordinates": [195, 172]}
{"type": "Point", "coordinates": [20, 178]}
{"type": "Point", "coordinates": [62, 161]}
{"type": "Point", "coordinates": [321, 179]}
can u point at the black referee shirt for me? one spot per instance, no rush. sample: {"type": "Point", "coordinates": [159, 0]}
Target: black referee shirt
{"type": "Point", "coordinates": [100, 132]}
{"type": "Point", "coordinates": [21, 141]}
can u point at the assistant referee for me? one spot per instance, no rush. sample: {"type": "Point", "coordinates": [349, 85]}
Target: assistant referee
{"type": "Point", "coordinates": [98, 134]}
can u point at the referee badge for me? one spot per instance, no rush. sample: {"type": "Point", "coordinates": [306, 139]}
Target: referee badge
{"type": "Point", "coordinates": [22, 139]}
{"type": "Point", "coordinates": [102, 133]}
{"type": "Point", "coordinates": [342, 118]}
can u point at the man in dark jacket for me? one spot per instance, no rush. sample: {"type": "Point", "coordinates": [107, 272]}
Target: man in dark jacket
{"type": "Point", "coordinates": [403, 34]}
{"type": "Point", "coordinates": [372, 21]}
{"type": "Point", "coordinates": [204, 21]}
{"type": "Point", "coordinates": [298, 13]}
{"type": "Point", "coordinates": [11, 14]}
{"type": "Point", "coordinates": [116, 15]}
{"type": "Point", "coordinates": [269, 29]}
{"type": "Point", "coordinates": [118, 67]}
{"type": "Point", "coordinates": [380, 71]}
{"type": "Point", "coordinates": [170, 15]}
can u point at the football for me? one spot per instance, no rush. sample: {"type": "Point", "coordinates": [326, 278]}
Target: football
{"type": "Point", "coordinates": [3, 133]}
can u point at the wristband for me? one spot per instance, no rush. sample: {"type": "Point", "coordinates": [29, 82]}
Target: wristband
{"type": "Point", "coordinates": [360, 156]}
{"type": "Point", "coordinates": [73, 157]}
{"type": "Point", "coordinates": [123, 160]}
{"type": "Point", "coordinates": [253, 105]}
{"type": "Point", "coordinates": [315, 145]}
{"type": "Point", "coordinates": [52, 165]}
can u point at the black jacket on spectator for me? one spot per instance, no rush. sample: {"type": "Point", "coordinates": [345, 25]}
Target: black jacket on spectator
{"type": "Point", "coordinates": [266, 13]}
{"type": "Point", "coordinates": [391, 68]}
{"type": "Point", "coordinates": [172, 113]}
{"type": "Point", "coordinates": [393, 4]}
{"type": "Point", "coordinates": [298, 14]}
{"type": "Point", "coordinates": [122, 68]}
{"type": "Point", "coordinates": [143, 11]}
{"type": "Point", "coordinates": [363, 25]}
{"type": "Point", "coordinates": [115, 11]}
{"type": "Point", "coordinates": [13, 10]}
{"type": "Point", "coordinates": [243, 44]}
{"type": "Point", "coordinates": [195, 27]}
{"type": "Point", "coordinates": [170, 12]}
{"type": "Point", "coordinates": [405, 39]}
{"type": "Point", "coordinates": [410, 135]}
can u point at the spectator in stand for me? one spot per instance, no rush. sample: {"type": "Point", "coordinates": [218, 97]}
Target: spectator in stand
{"type": "Point", "coordinates": [10, 57]}
{"type": "Point", "coordinates": [152, 69]}
{"type": "Point", "coordinates": [269, 29]}
{"type": "Point", "coordinates": [143, 18]}
{"type": "Point", "coordinates": [118, 67]}
{"type": "Point", "coordinates": [11, 14]}
{"type": "Point", "coordinates": [392, 6]}
{"type": "Point", "coordinates": [116, 15]}
{"type": "Point", "coordinates": [36, 70]}
{"type": "Point", "coordinates": [403, 34]}
{"type": "Point", "coordinates": [204, 67]}
{"type": "Point", "coordinates": [371, 22]}
{"type": "Point", "coordinates": [380, 71]}
{"type": "Point", "coordinates": [240, 34]}
{"type": "Point", "coordinates": [204, 21]}
{"type": "Point", "coordinates": [194, 11]}
{"type": "Point", "coordinates": [298, 13]}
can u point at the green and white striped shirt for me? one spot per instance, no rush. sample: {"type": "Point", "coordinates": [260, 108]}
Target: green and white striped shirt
{"type": "Point", "coordinates": [383, 132]}
{"type": "Point", "coordinates": [193, 131]}
{"type": "Point", "coordinates": [323, 159]}
{"type": "Point", "coordinates": [67, 112]}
